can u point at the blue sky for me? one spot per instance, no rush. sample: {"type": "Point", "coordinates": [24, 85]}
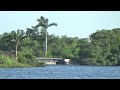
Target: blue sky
{"type": "Point", "coordinates": [71, 23]}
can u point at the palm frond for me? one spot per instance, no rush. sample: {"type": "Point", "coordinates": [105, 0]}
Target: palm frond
{"type": "Point", "coordinates": [44, 23]}
{"type": "Point", "coordinates": [43, 19]}
{"type": "Point", "coordinates": [47, 20]}
{"type": "Point", "coordinates": [52, 24]}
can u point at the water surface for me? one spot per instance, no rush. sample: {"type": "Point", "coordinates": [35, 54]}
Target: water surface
{"type": "Point", "coordinates": [62, 72]}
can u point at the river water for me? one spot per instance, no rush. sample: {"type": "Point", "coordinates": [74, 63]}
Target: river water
{"type": "Point", "coordinates": [62, 72]}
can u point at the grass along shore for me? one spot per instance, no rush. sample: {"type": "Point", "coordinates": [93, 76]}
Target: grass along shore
{"type": "Point", "coordinates": [10, 62]}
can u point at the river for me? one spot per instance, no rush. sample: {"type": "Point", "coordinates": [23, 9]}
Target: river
{"type": "Point", "coordinates": [62, 72]}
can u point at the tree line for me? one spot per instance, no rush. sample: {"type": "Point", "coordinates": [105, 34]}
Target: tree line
{"type": "Point", "coordinates": [101, 48]}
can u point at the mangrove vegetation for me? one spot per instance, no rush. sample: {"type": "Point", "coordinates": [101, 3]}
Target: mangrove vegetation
{"type": "Point", "coordinates": [20, 48]}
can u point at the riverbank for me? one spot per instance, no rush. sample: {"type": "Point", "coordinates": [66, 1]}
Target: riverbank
{"type": "Point", "coordinates": [14, 64]}
{"type": "Point", "coordinates": [11, 62]}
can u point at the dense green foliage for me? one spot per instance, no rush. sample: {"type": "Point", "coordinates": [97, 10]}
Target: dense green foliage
{"type": "Point", "coordinates": [101, 48]}
{"type": "Point", "coordinates": [10, 62]}
{"type": "Point", "coordinates": [104, 48]}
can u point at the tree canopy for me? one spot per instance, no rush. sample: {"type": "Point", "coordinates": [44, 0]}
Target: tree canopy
{"type": "Point", "coordinates": [101, 48]}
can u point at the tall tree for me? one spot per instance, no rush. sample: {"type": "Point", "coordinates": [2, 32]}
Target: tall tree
{"type": "Point", "coordinates": [18, 36]}
{"type": "Point", "coordinates": [44, 24]}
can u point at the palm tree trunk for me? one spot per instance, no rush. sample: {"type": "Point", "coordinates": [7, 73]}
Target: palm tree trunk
{"type": "Point", "coordinates": [16, 52]}
{"type": "Point", "coordinates": [45, 42]}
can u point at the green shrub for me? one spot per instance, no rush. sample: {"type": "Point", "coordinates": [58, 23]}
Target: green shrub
{"type": "Point", "coordinates": [10, 62]}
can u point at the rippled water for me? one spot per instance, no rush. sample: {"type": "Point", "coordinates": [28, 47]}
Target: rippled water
{"type": "Point", "coordinates": [62, 72]}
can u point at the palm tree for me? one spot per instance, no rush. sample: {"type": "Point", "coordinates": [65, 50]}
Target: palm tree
{"type": "Point", "coordinates": [44, 24]}
{"type": "Point", "coordinates": [18, 36]}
